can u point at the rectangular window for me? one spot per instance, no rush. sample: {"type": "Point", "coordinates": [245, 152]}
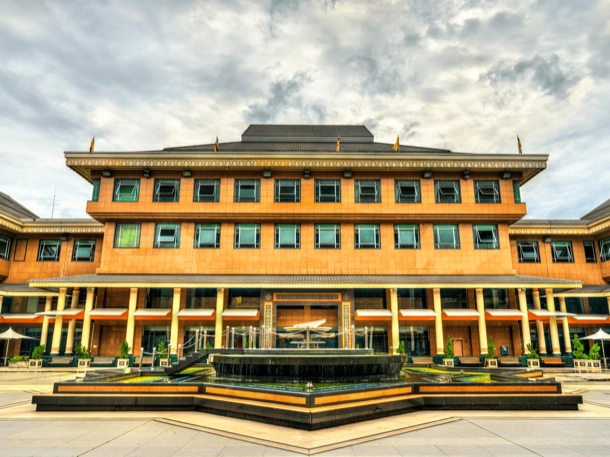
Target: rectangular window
{"type": "Point", "coordinates": [597, 305]}
{"type": "Point", "coordinates": [574, 305]}
{"type": "Point", "coordinates": [562, 251]}
{"type": "Point", "coordinates": [83, 251]}
{"type": "Point", "coordinates": [447, 191]}
{"type": "Point", "coordinates": [454, 298]}
{"type": "Point", "coordinates": [485, 236]}
{"type": "Point", "coordinates": [407, 191]}
{"type": "Point", "coordinates": [590, 255]}
{"type": "Point", "coordinates": [528, 251]}
{"type": "Point", "coordinates": [446, 237]}
{"type": "Point", "coordinates": [207, 190]}
{"type": "Point", "coordinates": [167, 236]}
{"type": "Point", "coordinates": [328, 190]}
{"type": "Point", "coordinates": [366, 236]}
{"type": "Point", "coordinates": [287, 190]}
{"type": "Point", "coordinates": [487, 191]}
{"type": "Point", "coordinates": [495, 298]}
{"type": "Point", "coordinates": [207, 236]}
{"type": "Point", "coordinates": [127, 236]}
{"type": "Point", "coordinates": [167, 190]}
{"type": "Point", "coordinates": [368, 191]}
{"type": "Point", "coordinates": [247, 190]}
{"type": "Point", "coordinates": [247, 236]}
{"type": "Point", "coordinates": [5, 247]}
{"type": "Point", "coordinates": [126, 190]}
{"type": "Point", "coordinates": [96, 190]}
{"type": "Point", "coordinates": [48, 250]}
{"type": "Point", "coordinates": [328, 236]}
{"type": "Point", "coordinates": [406, 236]}
{"type": "Point", "coordinates": [517, 191]}
{"type": "Point", "coordinates": [604, 249]}
{"type": "Point", "coordinates": [287, 236]}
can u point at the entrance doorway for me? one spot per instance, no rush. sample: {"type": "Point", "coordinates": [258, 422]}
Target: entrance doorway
{"type": "Point", "coordinates": [458, 347]}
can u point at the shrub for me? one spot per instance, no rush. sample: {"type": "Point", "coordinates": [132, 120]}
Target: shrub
{"type": "Point", "coordinates": [208, 345]}
{"type": "Point", "coordinates": [533, 354]}
{"type": "Point", "coordinates": [38, 352]}
{"type": "Point", "coordinates": [125, 350]}
{"type": "Point", "coordinates": [162, 350]}
{"type": "Point", "coordinates": [594, 352]}
{"type": "Point", "coordinates": [491, 349]}
{"type": "Point", "coordinates": [84, 353]}
{"type": "Point", "coordinates": [578, 349]}
{"type": "Point", "coordinates": [18, 358]}
{"type": "Point", "coordinates": [401, 348]}
{"type": "Point", "coordinates": [449, 351]}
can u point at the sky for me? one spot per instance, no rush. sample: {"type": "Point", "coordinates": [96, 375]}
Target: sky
{"type": "Point", "coordinates": [467, 75]}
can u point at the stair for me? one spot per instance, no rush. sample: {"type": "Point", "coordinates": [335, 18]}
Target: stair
{"type": "Point", "coordinates": [195, 358]}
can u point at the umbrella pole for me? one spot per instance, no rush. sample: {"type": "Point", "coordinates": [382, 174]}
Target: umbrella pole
{"type": "Point", "coordinates": [6, 352]}
{"type": "Point", "coordinates": [604, 353]}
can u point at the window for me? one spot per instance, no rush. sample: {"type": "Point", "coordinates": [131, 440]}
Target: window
{"type": "Point", "coordinates": [5, 247]}
{"type": "Point", "coordinates": [83, 251]}
{"type": "Point", "coordinates": [287, 236]}
{"type": "Point", "coordinates": [487, 191]}
{"type": "Point", "coordinates": [366, 236]}
{"type": "Point", "coordinates": [287, 191]}
{"type": "Point", "coordinates": [407, 191]}
{"type": "Point", "coordinates": [328, 191]}
{"type": "Point", "coordinates": [167, 236]}
{"type": "Point", "coordinates": [604, 249]}
{"type": "Point", "coordinates": [247, 236]}
{"type": "Point", "coordinates": [495, 298]}
{"type": "Point", "coordinates": [207, 190]}
{"type": "Point", "coordinates": [127, 236]}
{"type": "Point", "coordinates": [528, 251]}
{"type": "Point", "coordinates": [454, 298]}
{"type": "Point", "coordinates": [126, 190]}
{"type": "Point", "coordinates": [328, 236]}
{"type": "Point", "coordinates": [167, 190]}
{"type": "Point", "coordinates": [517, 191]}
{"type": "Point", "coordinates": [368, 191]}
{"type": "Point", "coordinates": [406, 236]}
{"type": "Point", "coordinates": [48, 250]}
{"type": "Point", "coordinates": [597, 305]}
{"type": "Point", "coordinates": [446, 237]}
{"type": "Point", "coordinates": [247, 190]}
{"type": "Point", "coordinates": [159, 298]}
{"type": "Point", "coordinates": [96, 190]}
{"type": "Point", "coordinates": [207, 236]}
{"type": "Point", "coordinates": [574, 305]}
{"type": "Point", "coordinates": [562, 251]}
{"type": "Point", "coordinates": [447, 191]}
{"type": "Point", "coordinates": [485, 237]}
{"type": "Point", "coordinates": [590, 252]}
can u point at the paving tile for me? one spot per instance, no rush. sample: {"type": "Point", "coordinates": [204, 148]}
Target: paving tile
{"type": "Point", "coordinates": [411, 451]}
{"type": "Point", "coordinates": [374, 451]}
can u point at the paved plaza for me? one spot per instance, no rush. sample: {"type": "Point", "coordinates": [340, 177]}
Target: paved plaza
{"type": "Point", "coordinates": [25, 432]}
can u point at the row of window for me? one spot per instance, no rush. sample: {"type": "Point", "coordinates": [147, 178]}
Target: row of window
{"type": "Point", "coordinates": [562, 251]}
{"type": "Point", "coordinates": [50, 250]}
{"type": "Point", "coordinates": [289, 191]}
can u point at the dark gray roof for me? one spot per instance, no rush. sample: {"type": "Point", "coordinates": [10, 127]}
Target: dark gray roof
{"type": "Point", "coordinates": [330, 132]}
{"type": "Point", "coordinates": [599, 212]}
{"type": "Point", "coordinates": [549, 222]}
{"type": "Point", "coordinates": [9, 289]}
{"type": "Point", "coordinates": [14, 208]}
{"type": "Point", "coordinates": [587, 289]}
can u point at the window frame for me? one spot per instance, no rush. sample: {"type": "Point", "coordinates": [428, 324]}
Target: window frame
{"type": "Point", "coordinates": [517, 191]}
{"type": "Point", "coordinates": [237, 196]}
{"type": "Point", "coordinates": [6, 255]}
{"type": "Point", "coordinates": [95, 193]}
{"type": "Point", "coordinates": [590, 244]}
{"type": "Point", "coordinates": [119, 182]}
{"type": "Point", "coordinates": [295, 197]}
{"type": "Point", "coordinates": [534, 245]}
{"type": "Point", "coordinates": [376, 234]}
{"type": "Point", "coordinates": [166, 182]}
{"type": "Point", "coordinates": [257, 236]}
{"type": "Point", "coordinates": [568, 245]}
{"type": "Point", "coordinates": [278, 236]}
{"type": "Point", "coordinates": [41, 246]}
{"type": "Point", "coordinates": [76, 246]}
{"type": "Point", "coordinates": [479, 243]}
{"type": "Point", "coordinates": [407, 227]}
{"type": "Point", "coordinates": [480, 185]}
{"type": "Point", "coordinates": [604, 249]}
{"type": "Point", "coordinates": [118, 230]}
{"type": "Point", "coordinates": [208, 182]}
{"type": "Point", "coordinates": [358, 183]}
{"type": "Point", "coordinates": [197, 242]}
{"type": "Point", "coordinates": [159, 228]}
{"type": "Point", "coordinates": [318, 197]}
{"type": "Point", "coordinates": [446, 183]}
{"type": "Point", "coordinates": [455, 229]}
{"type": "Point", "coordinates": [324, 227]}
{"type": "Point", "coordinates": [398, 194]}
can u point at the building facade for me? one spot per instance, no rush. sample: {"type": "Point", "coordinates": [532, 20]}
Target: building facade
{"type": "Point", "coordinates": [290, 225]}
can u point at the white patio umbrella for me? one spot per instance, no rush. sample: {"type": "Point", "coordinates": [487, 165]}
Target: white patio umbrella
{"type": "Point", "coordinates": [9, 335]}
{"type": "Point", "coordinates": [602, 336]}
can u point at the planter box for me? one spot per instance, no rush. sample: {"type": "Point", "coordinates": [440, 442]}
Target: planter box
{"type": "Point", "coordinates": [448, 362]}
{"type": "Point", "coordinates": [594, 366]}
{"type": "Point", "coordinates": [35, 363]}
{"type": "Point", "coordinates": [491, 363]}
{"type": "Point", "coordinates": [17, 364]}
{"type": "Point", "coordinates": [580, 365]}
{"type": "Point", "coordinates": [84, 363]}
{"type": "Point", "coordinates": [164, 363]}
{"type": "Point", "coordinates": [122, 363]}
{"type": "Point", "coordinates": [533, 363]}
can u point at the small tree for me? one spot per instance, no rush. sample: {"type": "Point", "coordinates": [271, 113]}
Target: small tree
{"type": "Point", "coordinates": [533, 354]}
{"type": "Point", "coordinates": [162, 350]}
{"type": "Point", "coordinates": [208, 345]}
{"type": "Point", "coordinates": [491, 349]}
{"type": "Point", "coordinates": [594, 352]}
{"type": "Point", "coordinates": [124, 350]}
{"type": "Point", "coordinates": [578, 349]}
{"type": "Point", "coordinates": [82, 352]}
{"type": "Point", "coordinates": [449, 350]}
{"type": "Point", "coordinates": [401, 348]}
{"type": "Point", "coordinates": [38, 352]}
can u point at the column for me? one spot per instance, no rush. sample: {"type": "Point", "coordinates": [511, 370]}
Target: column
{"type": "Point", "coordinates": [395, 326]}
{"type": "Point", "coordinates": [87, 318]}
{"type": "Point", "coordinates": [550, 303]}
{"type": "Point", "coordinates": [346, 320]}
{"type": "Point", "coordinates": [566, 326]}
{"type": "Point", "coordinates": [525, 321]}
{"type": "Point", "coordinates": [61, 304]}
{"type": "Point", "coordinates": [44, 334]}
{"type": "Point", "coordinates": [131, 320]}
{"type": "Point", "coordinates": [72, 322]}
{"type": "Point", "coordinates": [438, 322]}
{"type": "Point", "coordinates": [539, 324]}
{"type": "Point", "coordinates": [220, 303]}
{"type": "Point", "coordinates": [482, 324]}
{"type": "Point", "coordinates": [173, 331]}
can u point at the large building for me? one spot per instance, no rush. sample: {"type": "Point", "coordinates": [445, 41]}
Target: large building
{"type": "Point", "coordinates": [290, 225]}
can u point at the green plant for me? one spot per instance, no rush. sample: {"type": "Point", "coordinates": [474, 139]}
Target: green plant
{"type": "Point", "coordinates": [84, 353]}
{"type": "Point", "coordinates": [533, 354]}
{"type": "Point", "coordinates": [18, 358]}
{"type": "Point", "coordinates": [449, 350]}
{"type": "Point", "coordinates": [162, 350]}
{"type": "Point", "coordinates": [491, 349]}
{"type": "Point", "coordinates": [578, 349]}
{"type": "Point", "coordinates": [401, 348]}
{"type": "Point", "coordinates": [594, 352]}
{"type": "Point", "coordinates": [208, 345]}
{"type": "Point", "coordinates": [125, 350]}
{"type": "Point", "coordinates": [38, 352]}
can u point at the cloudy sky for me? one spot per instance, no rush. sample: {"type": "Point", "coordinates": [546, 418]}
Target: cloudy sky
{"type": "Point", "coordinates": [468, 76]}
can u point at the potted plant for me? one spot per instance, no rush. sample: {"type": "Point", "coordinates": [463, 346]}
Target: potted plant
{"type": "Point", "coordinates": [448, 360]}
{"type": "Point", "coordinates": [401, 351]}
{"type": "Point", "coordinates": [163, 354]}
{"type": "Point", "coordinates": [123, 361]}
{"type": "Point", "coordinates": [209, 346]}
{"type": "Point", "coordinates": [580, 357]}
{"type": "Point", "coordinates": [594, 364]}
{"type": "Point", "coordinates": [533, 359]}
{"type": "Point", "coordinates": [36, 358]}
{"type": "Point", "coordinates": [84, 356]}
{"type": "Point", "coordinates": [490, 360]}
{"type": "Point", "coordinates": [19, 361]}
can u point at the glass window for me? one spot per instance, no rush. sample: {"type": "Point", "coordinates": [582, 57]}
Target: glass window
{"type": "Point", "coordinates": [287, 190]}
{"type": "Point", "coordinates": [604, 249]}
{"type": "Point", "coordinates": [485, 236]}
{"type": "Point", "coordinates": [406, 236]}
{"type": "Point", "coordinates": [412, 299]}
{"type": "Point", "coordinates": [159, 298]}
{"type": "Point", "coordinates": [247, 190]}
{"type": "Point", "coordinates": [446, 237]}
{"type": "Point", "coordinates": [207, 190]}
{"type": "Point", "coordinates": [287, 236]}
{"type": "Point", "coordinates": [416, 339]}
{"type": "Point", "coordinates": [5, 247]}
{"type": "Point", "coordinates": [562, 251]}
{"type": "Point", "coordinates": [127, 236]}
{"type": "Point", "coordinates": [517, 191]}
{"type": "Point", "coordinates": [598, 305]}
{"type": "Point", "coordinates": [454, 298]}
{"type": "Point", "coordinates": [366, 236]}
{"type": "Point", "coordinates": [407, 191]}
{"type": "Point", "coordinates": [167, 190]}
{"type": "Point", "coordinates": [48, 250]}
{"type": "Point", "coordinates": [328, 236]}
{"type": "Point", "coordinates": [528, 251]}
{"type": "Point", "coordinates": [207, 236]}
{"type": "Point", "coordinates": [368, 191]}
{"type": "Point", "coordinates": [487, 191]}
{"type": "Point", "coordinates": [96, 190]}
{"type": "Point", "coordinates": [167, 236]}
{"type": "Point", "coordinates": [83, 251]}
{"type": "Point", "coordinates": [496, 298]}
{"type": "Point", "coordinates": [126, 190]}
{"type": "Point", "coordinates": [197, 298]}
{"type": "Point", "coordinates": [152, 336]}
{"type": "Point", "coordinates": [247, 236]}
{"type": "Point", "coordinates": [590, 255]}
{"type": "Point", "coordinates": [447, 191]}
{"type": "Point", "coordinates": [328, 190]}
{"type": "Point", "coordinates": [574, 305]}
